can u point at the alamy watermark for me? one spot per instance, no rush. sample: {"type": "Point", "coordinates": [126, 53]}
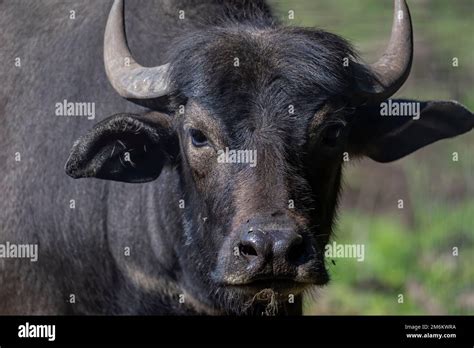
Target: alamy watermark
{"type": "Point", "coordinates": [400, 108]}
{"type": "Point", "coordinates": [28, 330]}
{"type": "Point", "coordinates": [237, 156]}
{"type": "Point", "coordinates": [346, 251]}
{"type": "Point", "coordinates": [67, 108]}
{"type": "Point", "coordinates": [19, 251]}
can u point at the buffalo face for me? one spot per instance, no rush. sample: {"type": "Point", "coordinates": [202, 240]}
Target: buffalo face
{"type": "Point", "coordinates": [259, 122]}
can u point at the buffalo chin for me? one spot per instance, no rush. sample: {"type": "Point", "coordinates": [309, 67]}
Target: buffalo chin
{"type": "Point", "coordinates": [262, 298]}
{"type": "Point", "coordinates": [279, 288]}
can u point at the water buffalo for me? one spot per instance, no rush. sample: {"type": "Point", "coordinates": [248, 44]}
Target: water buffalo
{"type": "Point", "coordinates": [222, 159]}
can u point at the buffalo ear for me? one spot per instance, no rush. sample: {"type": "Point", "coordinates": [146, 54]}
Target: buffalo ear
{"type": "Point", "coordinates": [124, 147]}
{"type": "Point", "coordinates": [388, 138]}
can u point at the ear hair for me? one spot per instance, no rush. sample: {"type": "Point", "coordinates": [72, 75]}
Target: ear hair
{"type": "Point", "coordinates": [386, 139]}
{"type": "Point", "coordinates": [124, 147]}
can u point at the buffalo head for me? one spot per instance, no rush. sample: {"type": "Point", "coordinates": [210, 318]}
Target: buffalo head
{"type": "Point", "coordinates": [258, 120]}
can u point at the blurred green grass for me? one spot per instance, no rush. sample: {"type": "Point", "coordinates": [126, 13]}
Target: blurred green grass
{"type": "Point", "coordinates": [408, 251]}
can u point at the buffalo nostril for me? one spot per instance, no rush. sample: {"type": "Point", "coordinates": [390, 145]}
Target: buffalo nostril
{"type": "Point", "coordinates": [297, 251]}
{"type": "Point", "coordinates": [247, 250]}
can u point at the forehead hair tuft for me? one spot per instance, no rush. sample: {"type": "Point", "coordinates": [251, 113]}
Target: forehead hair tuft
{"type": "Point", "coordinates": [226, 62]}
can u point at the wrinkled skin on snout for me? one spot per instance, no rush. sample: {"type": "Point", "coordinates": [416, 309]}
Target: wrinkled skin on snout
{"type": "Point", "coordinates": [253, 234]}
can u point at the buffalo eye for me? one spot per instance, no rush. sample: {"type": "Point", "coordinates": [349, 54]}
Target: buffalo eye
{"type": "Point", "coordinates": [332, 134]}
{"type": "Point", "coordinates": [198, 138]}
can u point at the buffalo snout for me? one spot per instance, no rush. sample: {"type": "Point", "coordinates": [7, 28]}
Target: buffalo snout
{"type": "Point", "coordinates": [262, 251]}
{"type": "Point", "coordinates": [279, 250]}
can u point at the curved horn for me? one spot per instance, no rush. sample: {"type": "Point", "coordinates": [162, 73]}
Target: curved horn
{"type": "Point", "coordinates": [382, 79]}
{"type": "Point", "coordinates": [130, 79]}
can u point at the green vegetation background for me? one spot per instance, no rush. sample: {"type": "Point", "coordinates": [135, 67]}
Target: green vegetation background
{"type": "Point", "coordinates": [408, 251]}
